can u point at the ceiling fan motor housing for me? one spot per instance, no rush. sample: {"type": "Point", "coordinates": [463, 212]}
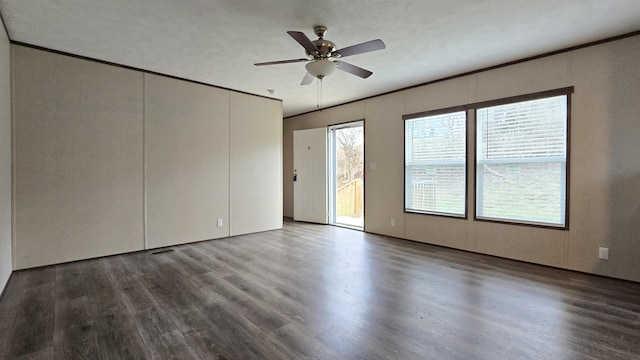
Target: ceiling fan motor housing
{"type": "Point", "coordinates": [325, 48]}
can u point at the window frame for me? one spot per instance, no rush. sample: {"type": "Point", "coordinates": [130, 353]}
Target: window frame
{"type": "Point", "coordinates": [471, 110]}
{"type": "Point", "coordinates": [430, 113]}
{"type": "Point", "coordinates": [512, 100]}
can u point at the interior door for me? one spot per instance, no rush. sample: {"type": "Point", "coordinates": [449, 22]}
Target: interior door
{"type": "Point", "coordinates": [310, 175]}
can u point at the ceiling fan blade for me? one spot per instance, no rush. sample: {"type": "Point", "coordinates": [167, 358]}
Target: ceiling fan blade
{"type": "Point", "coordinates": [364, 47]}
{"type": "Point", "coordinates": [352, 69]}
{"type": "Point", "coordinates": [303, 40]}
{"type": "Point", "coordinates": [307, 79]}
{"type": "Point", "coordinates": [280, 62]}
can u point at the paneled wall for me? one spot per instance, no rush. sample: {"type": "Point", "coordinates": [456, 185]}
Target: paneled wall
{"type": "Point", "coordinates": [78, 166]}
{"type": "Point", "coordinates": [187, 161]}
{"type": "Point", "coordinates": [5, 158]}
{"type": "Point", "coordinates": [256, 164]}
{"type": "Point", "coordinates": [111, 160]}
{"type": "Point", "coordinates": [604, 160]}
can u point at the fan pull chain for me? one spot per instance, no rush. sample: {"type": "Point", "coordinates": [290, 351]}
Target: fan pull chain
{"type": "Point", "coordinates": [320, 93]}
{"type": "Point", "coordinates": [318, 90]}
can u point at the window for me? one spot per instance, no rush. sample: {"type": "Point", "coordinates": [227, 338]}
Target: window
{"type": "Point", "coordinates": [435, 164]}
{"type": "Point", "coordinates": [521, 162]}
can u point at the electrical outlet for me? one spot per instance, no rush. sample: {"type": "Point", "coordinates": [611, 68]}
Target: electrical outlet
{"type": "Point", "coordinates": [393, 222]}
{"type": "Point", "coordinates": [603, 253]}
{"type": "Point", "coordinates": [219, 222]}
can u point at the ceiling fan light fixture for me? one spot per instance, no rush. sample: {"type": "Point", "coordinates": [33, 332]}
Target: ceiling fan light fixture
{"type": "Point", "coordinates": [321, 68]}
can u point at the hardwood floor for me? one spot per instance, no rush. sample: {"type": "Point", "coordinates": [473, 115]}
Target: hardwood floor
{"type": "Point", "coordinates": [315, 292]}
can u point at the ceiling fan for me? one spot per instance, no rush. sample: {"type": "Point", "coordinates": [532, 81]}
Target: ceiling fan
{"type": "Point", "coordinates": [323, 56]}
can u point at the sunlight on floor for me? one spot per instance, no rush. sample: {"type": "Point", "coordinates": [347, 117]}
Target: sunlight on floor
{"type": "Point", "coordinates": [357, 222]}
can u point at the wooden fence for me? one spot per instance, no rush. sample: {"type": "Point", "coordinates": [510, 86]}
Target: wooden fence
{"type": "Point", "coordinates": [349, 199]}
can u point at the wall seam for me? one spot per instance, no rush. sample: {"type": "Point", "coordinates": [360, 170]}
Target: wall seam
{"type": "Point", "coordinates": [13, 159]}
{"type": "Point", "coordinates": [144, 162]}
{"type": "Point", "coordinates": [230, 94]}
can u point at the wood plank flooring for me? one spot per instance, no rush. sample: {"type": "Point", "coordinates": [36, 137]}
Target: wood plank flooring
{"type": "Point", "coordinates": [315, 292]}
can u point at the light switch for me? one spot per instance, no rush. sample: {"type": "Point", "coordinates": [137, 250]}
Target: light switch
{"type": "Point", "coordinates": [373, 166]}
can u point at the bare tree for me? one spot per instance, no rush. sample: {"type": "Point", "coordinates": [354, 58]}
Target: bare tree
{"type": "Point", "coordinates": [349, 146]}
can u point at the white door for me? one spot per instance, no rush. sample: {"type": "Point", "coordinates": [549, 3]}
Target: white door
{"type": "Point", "coordinates": [310, 175]}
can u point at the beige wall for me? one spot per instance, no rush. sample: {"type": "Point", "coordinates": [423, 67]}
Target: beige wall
{"type": "Point", "coordinates": [78, 158]}
{"type": "Point", "coordinates": [106, 158]}
{"type": "Point", "coordinates": [256, 164]}
{"type": "Point", "coordinates": [5, 158]}
{"type": "Point", "coordinates": [604, 160]}
{"type": "Point", "coordinates": [187, 161]}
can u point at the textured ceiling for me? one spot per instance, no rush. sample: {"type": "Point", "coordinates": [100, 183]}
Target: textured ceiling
{"type": "Point", "coordinates": [217, 41]}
